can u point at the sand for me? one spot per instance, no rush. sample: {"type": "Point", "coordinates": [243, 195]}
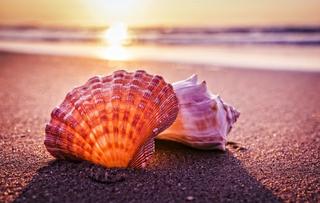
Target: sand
{"type": "Point", "coordinates": [276, 158]}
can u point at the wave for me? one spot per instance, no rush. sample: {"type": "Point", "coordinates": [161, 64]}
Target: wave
{"type": "Point", "coordinates": [299, 36]}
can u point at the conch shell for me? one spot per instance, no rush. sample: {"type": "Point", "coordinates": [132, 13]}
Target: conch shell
{"type": "Point", "coordinates": [204, 119]}
{"type": "Point", "coordinates": [112, 120]}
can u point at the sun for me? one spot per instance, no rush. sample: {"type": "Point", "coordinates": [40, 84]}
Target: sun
{"type": "Point", "coordinates": [116, 37]}
{"type": "Point", "coordinates": [117, 34]}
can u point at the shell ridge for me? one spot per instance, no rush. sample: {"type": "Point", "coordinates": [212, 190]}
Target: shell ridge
{"type": "Point", "coordinates": [129, 99]}
{"type": "Point", "coordinates": [69, 102]}
{"type": "Point", "coordinates": [115, 100]}
{"type": "Point", "coordinates": [60, 134]}
{"type": "Point", "coordinates": [58, 120]}
{"type": "Point", "coordinates": [53, 134]}
{"type": "Point", "coordinates": [149, 123]}
{"type": "Point", "coordinates": [143, 154]}
{"type": "Point", "coordinates": [99, 106]}
{"type": "Point", "coordinates": [73, 101]}
{"type": "Point", "coordinates": [140, 106]}
{"type": "Point", "coordinates": [147, 108]}
{"type": "Point", "coordinates": [164, 105]}
{"type": "Point", "coordinates": [87, 106]}
{"type": "Point", "coordinates": [169, 105]}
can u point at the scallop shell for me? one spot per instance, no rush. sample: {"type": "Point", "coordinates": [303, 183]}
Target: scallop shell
{"type": "Point", "coordinates": [204, 119]}
{"type": "Point", "coordinates": [112, 120]}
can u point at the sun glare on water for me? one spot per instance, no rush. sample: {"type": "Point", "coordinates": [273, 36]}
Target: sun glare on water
{"type": "Point", "coordinates": [116, 36]}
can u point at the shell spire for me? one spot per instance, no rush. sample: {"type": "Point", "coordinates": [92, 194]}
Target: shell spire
{"type": "Point", "coordinates": [112, 120]}
{"type": "Point", "coordinates": [204, 119]}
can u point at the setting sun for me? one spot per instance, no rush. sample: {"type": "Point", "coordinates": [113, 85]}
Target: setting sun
{"type": "Point", "coordinates": [117, 34]}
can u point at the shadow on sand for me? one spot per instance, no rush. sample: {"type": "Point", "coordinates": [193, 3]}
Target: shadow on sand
{"type": "Point", "coordinates": [176, 173]}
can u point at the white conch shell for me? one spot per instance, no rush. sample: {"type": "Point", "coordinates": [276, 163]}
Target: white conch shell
{"type": "Point", "coordinates": [204, 119]}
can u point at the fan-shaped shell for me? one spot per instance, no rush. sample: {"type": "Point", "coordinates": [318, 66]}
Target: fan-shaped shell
{"type": "Point", "coordinates": [112, 120]}
{"type": "Point", "coordinates": [204, 120]}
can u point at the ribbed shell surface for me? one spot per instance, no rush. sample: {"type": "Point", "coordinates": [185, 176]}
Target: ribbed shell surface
{"type": "Point", "coordinates": [112, 120]}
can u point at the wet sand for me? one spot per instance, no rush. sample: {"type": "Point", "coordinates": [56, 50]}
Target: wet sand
{"type": "Point", "coordinates": [276, 157]}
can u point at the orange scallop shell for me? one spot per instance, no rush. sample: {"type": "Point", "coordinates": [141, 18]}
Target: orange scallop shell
{"type": "Point", "coordinates": [112, 120]}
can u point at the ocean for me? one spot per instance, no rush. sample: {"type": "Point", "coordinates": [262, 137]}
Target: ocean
{"type": "Point", "coordinates": [279, 48]}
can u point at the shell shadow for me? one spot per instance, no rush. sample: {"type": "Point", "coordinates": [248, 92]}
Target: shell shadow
{"type": "Point", "coordinates": [176, 173]}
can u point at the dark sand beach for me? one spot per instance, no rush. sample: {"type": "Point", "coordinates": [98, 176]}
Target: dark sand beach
{"type": "Point", "coordinates": [273, 155]}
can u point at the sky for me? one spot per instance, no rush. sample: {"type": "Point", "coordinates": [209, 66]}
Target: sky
{"type": "Point", "coordinates": [160, 12]}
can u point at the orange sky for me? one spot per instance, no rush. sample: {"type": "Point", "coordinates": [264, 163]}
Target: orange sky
{"type": "Point", "coordinates": [160, 12]}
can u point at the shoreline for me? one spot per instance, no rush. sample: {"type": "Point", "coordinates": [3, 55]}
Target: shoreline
{"type": "Point", "coordinates": [255, 57]}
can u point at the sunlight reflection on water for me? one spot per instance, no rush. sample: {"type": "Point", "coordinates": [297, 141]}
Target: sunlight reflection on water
{"type": "Point", "coordinates": [113, 52]}
{"type": "Point", "coordinates": [116, 37]}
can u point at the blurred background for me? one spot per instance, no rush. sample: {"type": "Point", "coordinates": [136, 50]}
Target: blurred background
{"type": "Point", "coordinates": [253, 34]}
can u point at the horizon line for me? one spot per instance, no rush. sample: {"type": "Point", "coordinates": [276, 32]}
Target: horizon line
{"type": "Point", "coordinates": [52, 25]}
